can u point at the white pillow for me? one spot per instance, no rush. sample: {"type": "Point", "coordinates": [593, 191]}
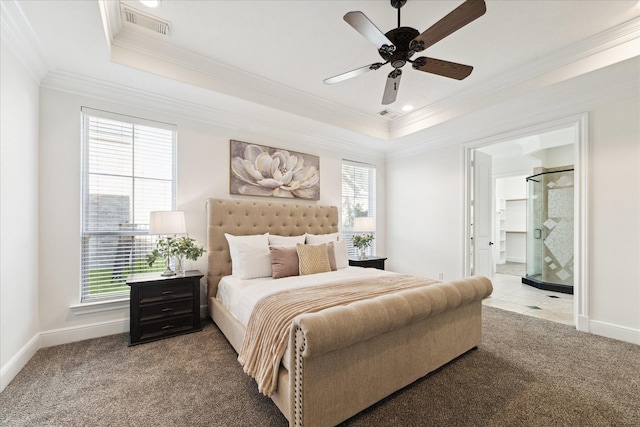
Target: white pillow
{"type": "Point", "coordinates": [250, 256]}
{"type": "Point", "coordinates": [340, 252]}
{"type": "Point", "coordinates": [252, 262]}
{"type": "Point", "coordinates": [318, 239]}
{"type": "Point", "coordinates": [276, 240]}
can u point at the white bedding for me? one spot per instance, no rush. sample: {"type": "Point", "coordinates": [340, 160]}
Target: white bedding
{"type": "Point", "coordinates": [239, 296]}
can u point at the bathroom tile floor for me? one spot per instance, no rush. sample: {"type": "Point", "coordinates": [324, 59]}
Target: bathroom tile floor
{"type": "Point", "coordinates": [509, 293]}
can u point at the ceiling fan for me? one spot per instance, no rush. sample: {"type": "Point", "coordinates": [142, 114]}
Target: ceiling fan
{"type": "Point", "coordinates": [397, 46]}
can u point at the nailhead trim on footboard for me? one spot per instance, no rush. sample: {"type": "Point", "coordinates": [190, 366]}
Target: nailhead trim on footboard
{"type": "Point", "coordinates": [300, 344]}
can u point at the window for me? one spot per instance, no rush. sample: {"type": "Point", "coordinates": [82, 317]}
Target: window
{"type": "Point", "coordinates": [128, 171]}
{"type": "Point", "coordinates": [358, 200]}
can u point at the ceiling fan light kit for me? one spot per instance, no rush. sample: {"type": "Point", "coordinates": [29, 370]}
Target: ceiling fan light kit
{"type": "Point", "coordinates": [397, 46]}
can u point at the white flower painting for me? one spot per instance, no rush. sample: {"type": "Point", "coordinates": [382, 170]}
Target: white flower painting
{"type": "Point", "coordinates": [257, 170]}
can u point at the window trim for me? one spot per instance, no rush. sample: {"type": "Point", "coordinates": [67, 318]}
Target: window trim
{"type": "Point", "coordinates": [90, 307]}
{"type": "Point", "coordinates": [121, 299]}
{"type": "Point", "coordinates": [346, 233]}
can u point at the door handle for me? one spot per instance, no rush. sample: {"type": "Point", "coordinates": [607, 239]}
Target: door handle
{"type": "Point", "coordinates": [490, 243]}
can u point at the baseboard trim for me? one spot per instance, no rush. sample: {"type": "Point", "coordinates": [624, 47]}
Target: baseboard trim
{"type": "Point", "coordinates": [617, 332]}
{"type": "Point", "coordinates": [84, 332]}
{"type": "Point", "coordinates": [17, 362]}
{"type": "Point", "coordinates": [582, 323]}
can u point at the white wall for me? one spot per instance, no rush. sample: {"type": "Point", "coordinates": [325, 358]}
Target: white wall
{"type": "Point", "coordinates": [614, 216]}
{"type": "Point", "coordinates": [513, 165]}
{"type": "Point", "coordinates": [512, 187]}
{"type": "Point", "coordinates": [425, 207]}
{"type": "Point", "coordinates": [558, 156]}
{"type": "Point", "coordinates": [19, 315]}
{"type": "Point", "coordinates": [425, 214]}
{"type": "Point", "coordinates": [203, 172]}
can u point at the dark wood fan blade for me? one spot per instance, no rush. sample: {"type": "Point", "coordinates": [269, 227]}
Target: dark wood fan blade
{"type": "Point", "coordinates": [364, 26]}
{"type": "Point", "coordinates": [452, 70]}
{"type": "Point", "coordinates": [467, 12]}
{"type": "Point", "coordinates": [392, 86]}
{"type": "Point", "coordinates": [352, 73]}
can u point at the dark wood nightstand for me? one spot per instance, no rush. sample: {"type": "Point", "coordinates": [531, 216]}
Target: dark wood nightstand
{"type": "Point", "coordinates": [370, 262]}
{"type": "Point", "coordinates": [162, 307]}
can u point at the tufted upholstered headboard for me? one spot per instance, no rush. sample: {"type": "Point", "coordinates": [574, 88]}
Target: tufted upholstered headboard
{"type": "Point", "coordinates": [242, 217]}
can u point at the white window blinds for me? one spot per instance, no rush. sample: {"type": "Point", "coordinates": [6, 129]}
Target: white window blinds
{"type": "Point", "coordinates": [358, 200]}
{"type": "Point", "coordinates": [128, 171]}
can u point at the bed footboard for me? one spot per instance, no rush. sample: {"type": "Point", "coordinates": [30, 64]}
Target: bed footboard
{"type": "Point", "coordinates": [385, 348]}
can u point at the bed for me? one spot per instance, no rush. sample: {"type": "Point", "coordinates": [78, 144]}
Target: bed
{"type": "Point", "coordinates": [328, 373]}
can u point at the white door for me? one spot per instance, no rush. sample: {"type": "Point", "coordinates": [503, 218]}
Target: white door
{"type": "Point", "coordinates": [482, 244]}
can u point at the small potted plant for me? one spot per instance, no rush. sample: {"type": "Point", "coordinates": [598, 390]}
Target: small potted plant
{"type": "Point", "coordinates": [362, 242]}
{"type": "Point", "coordinates": [178, 248]}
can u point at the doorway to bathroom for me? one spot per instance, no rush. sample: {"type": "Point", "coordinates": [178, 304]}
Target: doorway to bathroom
{"type": "Point", "coordinates": [516, 194]}
{"type": "Point", "coordinates": [525, 255]}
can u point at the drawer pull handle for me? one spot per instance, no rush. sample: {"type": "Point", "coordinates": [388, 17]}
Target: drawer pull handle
{"type": "Point", "coordinates": [167, 292]}
{"type": "Point", "coordinates": [164, 310]}
{"type": "Point", "coordinates": [167, 327]}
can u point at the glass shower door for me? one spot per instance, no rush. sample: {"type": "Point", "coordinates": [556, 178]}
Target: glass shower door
{"type": "Point", "coordinates": [534, 228]}
{"type": "Point", "coordinates": [550, 225]}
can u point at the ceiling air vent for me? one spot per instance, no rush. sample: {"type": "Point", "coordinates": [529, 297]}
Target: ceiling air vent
{"type": "Point", "coordinates": [389, 114]}
{"type": "Point", "coordinates": [141, 19]}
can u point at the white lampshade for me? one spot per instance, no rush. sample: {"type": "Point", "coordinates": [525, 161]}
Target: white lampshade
{"type": "Point", "coordinates": [167, 222]}
{"type": "Point", "coordinates": [364, 224]}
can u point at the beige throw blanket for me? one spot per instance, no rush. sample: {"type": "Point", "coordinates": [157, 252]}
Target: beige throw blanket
{"type": "Point", "coordinates": [266, 337]}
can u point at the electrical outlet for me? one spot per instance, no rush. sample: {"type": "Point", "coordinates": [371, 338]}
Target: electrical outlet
{"type": "Point", "coordinates": [440, 276]}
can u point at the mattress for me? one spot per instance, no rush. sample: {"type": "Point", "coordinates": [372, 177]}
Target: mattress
{"type": "Point", "coordinates": [239, 296]}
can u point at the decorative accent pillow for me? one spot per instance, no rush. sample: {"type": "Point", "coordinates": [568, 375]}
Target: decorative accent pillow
{"type": "Point", "coordinates": [286, 240]}
{"type": "Point", "coordinates": [339, 248]}
{"type": "Point", "coordinates": [284, 261]}
{"type": "Point", "coordinates": [313, 259]}
{"type": "Point", "coordinates": [250, 257]}
{"type": "Point", "coordinates": [317, 239]}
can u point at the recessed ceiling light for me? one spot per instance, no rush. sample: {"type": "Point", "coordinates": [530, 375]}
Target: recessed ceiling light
{"type": "Point", "coordinates": [407, 107]}
{"type": "Point", "coordinates": [150, 3]}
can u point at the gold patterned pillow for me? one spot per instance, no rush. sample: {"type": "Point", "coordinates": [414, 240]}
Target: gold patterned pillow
{"type": "Point", "coordinates": [313, 259]}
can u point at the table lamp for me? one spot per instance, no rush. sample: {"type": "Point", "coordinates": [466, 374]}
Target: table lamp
{"type": "Point", "coordinates": [167, 223]}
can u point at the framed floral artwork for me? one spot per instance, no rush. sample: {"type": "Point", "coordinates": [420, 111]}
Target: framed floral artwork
{"type": "Point", "coordinates": [258, 170]}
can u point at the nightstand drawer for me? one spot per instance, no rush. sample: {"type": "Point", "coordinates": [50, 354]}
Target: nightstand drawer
{"type": "Point", "coordinates": [175, 290]}
{"type": "Point", "coordinates": [164, 309]}
{"type": "Point", "coordinates": [169, 326]}
{"type": "Point", "coordinates": [163, 306]}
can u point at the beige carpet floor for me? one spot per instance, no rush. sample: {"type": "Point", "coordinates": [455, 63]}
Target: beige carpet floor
{"type": "Point", "coordinates": [526, 372]}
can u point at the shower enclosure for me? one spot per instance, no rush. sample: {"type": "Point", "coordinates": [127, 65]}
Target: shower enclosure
{"type": "Point", "coordinates": [550, 228]}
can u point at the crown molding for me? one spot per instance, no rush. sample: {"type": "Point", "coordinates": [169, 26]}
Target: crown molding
{"type": "Point", "coordinates": [608, 47]}
{"type": "Point", "coordinates": [138, 50]}
{"type": "Point", "coordinates": [76, 84]}
{"type": "Point", "coordinates": [19, 36]}
{"type": "Point", "coordinates": [154, 54]}
{"type": "Point", "coordinates": [111, 21]}
{"type": "Point", "coordinates": [543, 106]}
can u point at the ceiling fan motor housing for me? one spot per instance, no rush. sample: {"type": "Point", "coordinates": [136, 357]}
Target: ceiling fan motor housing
{"type": "Point", "coordinates": [400, 37]}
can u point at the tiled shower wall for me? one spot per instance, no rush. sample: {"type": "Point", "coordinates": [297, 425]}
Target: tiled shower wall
{"type": "Point", "coordinates": [558, 222]}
